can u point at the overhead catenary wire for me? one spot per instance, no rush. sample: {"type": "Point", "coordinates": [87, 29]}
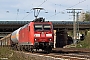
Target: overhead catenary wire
{"type": "Point", "coordinates": [65, 9]}
{"type": "Point", "coordinates": [78, 3]}
{"type": "Point", "coordinates": [27, 15]}
{"type": "Point", "coordinates": [42, 3]}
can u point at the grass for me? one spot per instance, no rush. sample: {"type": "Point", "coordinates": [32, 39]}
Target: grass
{"type": "Point", "coordinates": [8, 54]}
{"type": "Point", "coordinates": [5, 52]}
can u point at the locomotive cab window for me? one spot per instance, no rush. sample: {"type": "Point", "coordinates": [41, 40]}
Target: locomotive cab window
{"type": "Point", "coordinates": [47, 27]}
{"type": "Point", "coordinates": [38, 27]}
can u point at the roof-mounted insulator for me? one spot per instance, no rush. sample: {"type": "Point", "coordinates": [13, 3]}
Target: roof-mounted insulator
{"type": "Point", "coordinates": [39, 20]}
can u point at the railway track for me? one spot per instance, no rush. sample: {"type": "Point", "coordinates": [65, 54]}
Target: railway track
{"type": "Point", "coordinates": [76, 50]}
{"type": "Point", "coordinates": [70, 56]}
{"type": "Point", "coordinates": [58, 55]}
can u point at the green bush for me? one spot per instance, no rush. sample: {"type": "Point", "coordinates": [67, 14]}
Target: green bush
{"type": "Point", "coordinates": [85, 43]}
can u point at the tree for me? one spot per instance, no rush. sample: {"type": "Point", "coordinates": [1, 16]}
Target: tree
{"type": "Point", "coordinates": [87, 16]}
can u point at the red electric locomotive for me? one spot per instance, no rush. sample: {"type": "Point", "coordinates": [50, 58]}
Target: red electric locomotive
{"type": "Point", "coordinates": [38, 34]}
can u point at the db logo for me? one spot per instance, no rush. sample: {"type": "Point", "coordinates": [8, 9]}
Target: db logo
{"type": "Point", "coordinates": [42, 35]}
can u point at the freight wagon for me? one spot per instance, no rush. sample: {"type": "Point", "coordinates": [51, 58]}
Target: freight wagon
{"type": "Point", "coordinates": [6, 41]}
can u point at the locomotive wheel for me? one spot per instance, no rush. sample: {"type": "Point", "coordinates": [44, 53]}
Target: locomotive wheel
{"type": "Point", "coordinates": [29, 49]}
{"type": "Point", "coordinates": [37, 50]}
{"type": "Point", "coordinates": [13, 47]}
{"type": "Point", "coordinates": [32, 50]}
{"type": "Point", "coordinates": [18, 47]}
{"type": "Point", "coordinates": [21, 48]}
{"type": "Point", "coordinates": [48, 50]}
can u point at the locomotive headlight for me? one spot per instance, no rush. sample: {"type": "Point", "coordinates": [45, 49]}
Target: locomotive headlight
{"type": "Point", "coordinates": [48, 35]}
{"type": "Point", "coordinates": [36, 35]}
{"type": "Point", "coordinates": [50, 39]}
{"type": "Point", "coordinates": [35, 39]}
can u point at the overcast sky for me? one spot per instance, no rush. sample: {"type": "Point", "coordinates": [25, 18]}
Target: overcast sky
{"type": "Point", "coordinates": [16, 9]}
